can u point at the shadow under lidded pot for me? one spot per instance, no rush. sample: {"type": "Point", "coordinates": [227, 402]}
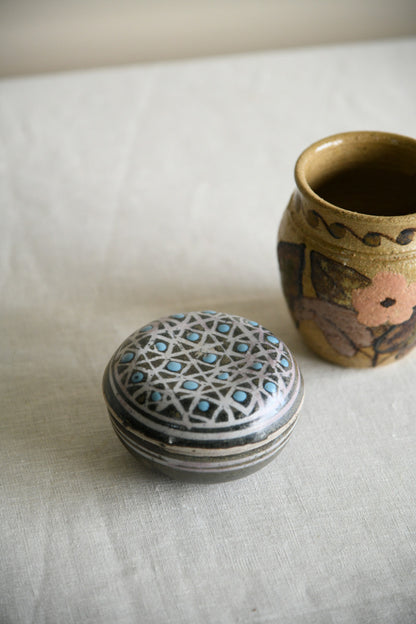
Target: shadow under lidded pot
{"type": "Point", "coordinates": [347, 248]}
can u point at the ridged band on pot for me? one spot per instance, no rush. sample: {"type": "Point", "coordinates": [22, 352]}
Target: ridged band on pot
{"type": "Point", "coordinates": [203, 396]}
{"type": "Point", "coordinates": [349, 271]}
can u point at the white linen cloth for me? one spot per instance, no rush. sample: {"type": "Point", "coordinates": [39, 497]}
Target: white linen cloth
{"type": "Point", "coordinates": [131, 193]}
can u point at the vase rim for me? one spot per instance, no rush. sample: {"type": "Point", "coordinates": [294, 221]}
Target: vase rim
{"type": "Point", "coordinates": [349, 138]}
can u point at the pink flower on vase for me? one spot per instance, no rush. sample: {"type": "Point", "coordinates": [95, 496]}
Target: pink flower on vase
{"type": "Point", "coordinates": [388, 299]}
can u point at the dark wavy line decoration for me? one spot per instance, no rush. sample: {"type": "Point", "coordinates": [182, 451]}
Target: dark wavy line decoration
{"type": "Point", "coordinates": [371, 239]}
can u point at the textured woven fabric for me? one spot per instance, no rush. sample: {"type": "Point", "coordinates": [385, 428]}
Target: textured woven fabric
{"type": "Point", "coordinates": [132, 193]}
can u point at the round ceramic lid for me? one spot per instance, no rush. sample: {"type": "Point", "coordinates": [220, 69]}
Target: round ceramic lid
{"type": "Point", "coordinates": [203, 379]}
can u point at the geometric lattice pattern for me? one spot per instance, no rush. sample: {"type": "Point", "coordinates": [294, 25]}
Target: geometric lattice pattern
{"type": "Point", "coordinates": [203, 371]}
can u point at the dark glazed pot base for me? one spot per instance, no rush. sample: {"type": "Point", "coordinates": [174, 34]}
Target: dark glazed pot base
{"type": "Point", "coordinates": [208, 477]}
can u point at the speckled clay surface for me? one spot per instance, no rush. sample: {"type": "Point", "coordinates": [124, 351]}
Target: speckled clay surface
{"type": "Point", "coordinates": [203, 396]}
{"type": "Point", "coordinates": [347, 248]}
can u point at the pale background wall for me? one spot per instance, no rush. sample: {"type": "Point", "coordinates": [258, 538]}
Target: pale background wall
{"type": "Point", "coordinates": [53, 35]}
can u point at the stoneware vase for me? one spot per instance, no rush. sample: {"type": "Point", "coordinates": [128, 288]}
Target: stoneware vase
{"type": "Point", "coordinates": [203, 396]}
{"type": "Point", "coordinates": [347, 248]}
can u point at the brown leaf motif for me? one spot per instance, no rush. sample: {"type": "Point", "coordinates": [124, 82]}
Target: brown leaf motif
{"type": "Point", "coordinates": [292, 261]}
{"type": "Point", "coordinates": [334, 281]}
{"type": "Point", "coordinates": [338, 324]}
{"type": "Point", "coordinates": [399, 338]}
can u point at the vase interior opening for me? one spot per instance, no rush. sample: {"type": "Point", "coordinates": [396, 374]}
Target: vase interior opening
{"type": "Point", "coordinates": [365, 175]}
